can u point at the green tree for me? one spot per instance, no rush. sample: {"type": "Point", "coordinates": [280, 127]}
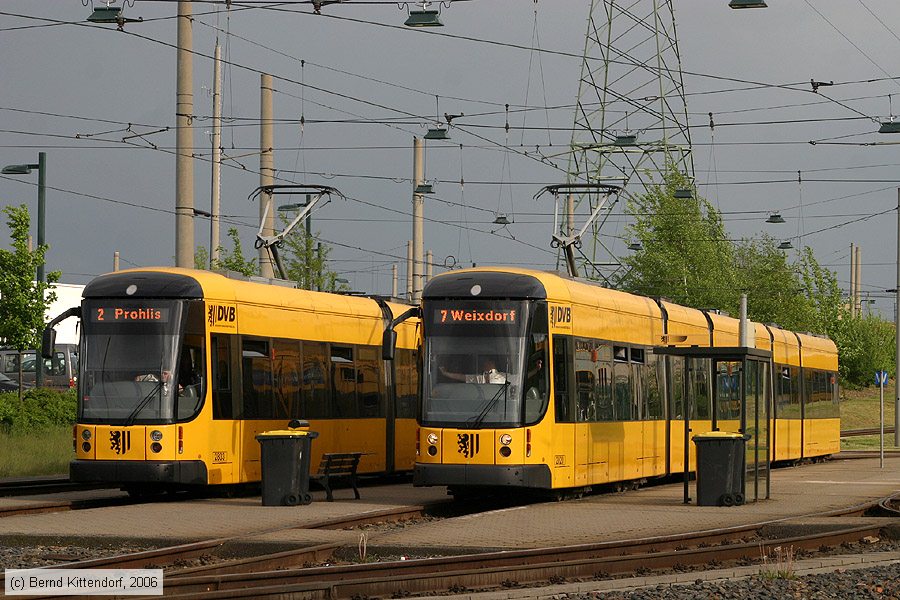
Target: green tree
{"type": "Point", "coordinates": [229, 260]}
{"type": "Point", "coordinates": [774, 290]}
{"type": "Point", "coordinates": [685, 253]}
{"type": "Point", "coordinates": [306, 262]}
{"type": "Point", "coordinates": [23, 300]}
{"type": "Point", "coordinates": [865, 344]}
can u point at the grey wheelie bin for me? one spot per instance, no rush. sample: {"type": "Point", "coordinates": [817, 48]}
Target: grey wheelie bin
{"type": "Point", "coordinates": [720, 468]}
{"type": "Point", "coordinates": [285, 458]}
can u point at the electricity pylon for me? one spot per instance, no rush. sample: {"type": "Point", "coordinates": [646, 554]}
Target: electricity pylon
{"type": "Point", "coordinates": [631, 117]}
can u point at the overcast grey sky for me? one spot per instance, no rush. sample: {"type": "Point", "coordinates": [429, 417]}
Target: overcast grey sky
{"type": "Point", "coordinates": [72, 89]}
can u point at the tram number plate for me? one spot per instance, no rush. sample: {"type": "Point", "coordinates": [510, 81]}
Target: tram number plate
{"type": "Point", "coordinates": [559, 460]}
{"type": "Point", "coordinates": [220, 457]}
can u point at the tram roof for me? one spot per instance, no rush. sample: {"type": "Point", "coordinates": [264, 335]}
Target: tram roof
{"type": "Point", "coordinates": [175, 282]}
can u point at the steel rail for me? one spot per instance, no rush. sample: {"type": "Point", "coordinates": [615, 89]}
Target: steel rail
{"type": "Point", "coordinates": [45, 485]}
{"type": "Point", "coordinates": [171, 554]}
{"type": "Point", "coordinates": [492, 570]}
{"type": "Point", "coordinates": [228, 574]}
{"type": "Point", "coordinates": [865, 431]}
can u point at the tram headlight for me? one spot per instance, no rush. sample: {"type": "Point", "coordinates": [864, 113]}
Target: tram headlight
{"type": "Point", "coordinates": [432, 450]}
{"type": "Point", "coordinates": [156, 435]}
{"type": "Point", "coordinates": [156, 447]}
{"type": "Point", "coordinates": [86, 446]}
{"type": "Point", "coordinates": [505, 451]}
{"type": "Point", "coordinates": [86, 434]}
{"type": "Point", "coordinates": [433, 439]}
{"type": "Point", "coordinates": [506, 439]}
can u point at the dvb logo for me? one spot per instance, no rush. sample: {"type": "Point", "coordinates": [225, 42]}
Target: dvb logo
{"type": "Point", "coordinates": [221, 315]}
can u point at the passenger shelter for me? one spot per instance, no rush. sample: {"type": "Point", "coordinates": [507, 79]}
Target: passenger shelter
{"type": "Point", "coordinates": [742, 403]}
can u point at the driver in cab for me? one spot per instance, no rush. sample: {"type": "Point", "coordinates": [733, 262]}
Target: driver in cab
{"type": "Point", "coordinates": [487, 374]}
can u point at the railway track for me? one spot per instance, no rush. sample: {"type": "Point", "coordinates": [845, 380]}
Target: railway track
{"type": "Point", "coordinates": [31, 486]}
{"type": "Point", "coordinates": [866, 431]}
{"type": "Point", "coordinates": [286, 574]}
{"type": "Point", "coordinates": [496, 570]}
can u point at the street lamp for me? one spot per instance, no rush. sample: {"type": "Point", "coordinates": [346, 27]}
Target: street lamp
{"type": "Point", "coordinates": [41, 166]}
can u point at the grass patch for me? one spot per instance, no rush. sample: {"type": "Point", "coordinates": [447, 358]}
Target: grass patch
{"type": "Point", "coordinates": [860, 409]}
{"type": "Point", "coordinates": [44, 452]}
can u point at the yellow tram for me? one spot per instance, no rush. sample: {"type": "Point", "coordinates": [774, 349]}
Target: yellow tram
{"type": "Point", "coordinates": [181, 369]}
{"type": "Point", "coordinates": [534, 380]}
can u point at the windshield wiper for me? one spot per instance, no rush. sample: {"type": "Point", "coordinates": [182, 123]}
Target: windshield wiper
{"type": "Point", "coordinates": [489, 406]}
{"type": "Point", "coordinates": [143, 404]}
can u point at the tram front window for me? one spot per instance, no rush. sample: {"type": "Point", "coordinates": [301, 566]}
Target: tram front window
{"type": "Point", "coordinates": [142, 361]}
{"type": "Point", "coordinates": [475, 352]}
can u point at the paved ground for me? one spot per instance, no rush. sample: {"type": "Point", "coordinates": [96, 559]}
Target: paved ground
{"type": "Point", "coordinates": [646, 512]}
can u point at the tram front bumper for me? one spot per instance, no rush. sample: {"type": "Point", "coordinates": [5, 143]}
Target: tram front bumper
{"type": "Point", "coordinates": [528, 476]}
{"type": "Point", "coordinates": [123, 471]}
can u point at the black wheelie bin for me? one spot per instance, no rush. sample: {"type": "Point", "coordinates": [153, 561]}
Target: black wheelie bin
{"type": "Point", "coordinates": [720, 468]}
{"type": "Point", "coordinates": [284, 459]}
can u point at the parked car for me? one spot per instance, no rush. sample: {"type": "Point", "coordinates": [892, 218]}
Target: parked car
{"type": "Point", "coordinates": [60, 372]}
{"type": "Point", "coordinates": [8, 385]}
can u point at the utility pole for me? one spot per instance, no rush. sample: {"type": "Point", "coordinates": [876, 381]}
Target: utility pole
{"type": "Point", "coordinates": [116, 260]}
{"type": "Point", "coordinates": [418, 219]}
{"type": "Point", "coordinates": [429, 267]}
{"type": "Point", "coordinates": [216, 186]}
{"type": "Point", "coordinates": [184, 140]}
{"type": "Point", "coordinates": [409, 271]}
{"type": "Point", "coordinates": [897, 336]}
{"type": "Point", "coordinates": [394, 281]}
{"type": "Point", "coordinates": [857, 299]}
{"type": "Point", "coordinates": [852, 298]}
{"type": "Point", "coordinates": [266, 170]}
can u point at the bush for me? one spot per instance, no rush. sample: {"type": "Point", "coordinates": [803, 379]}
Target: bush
{"type": "Point", "coordinates": [39, 409]}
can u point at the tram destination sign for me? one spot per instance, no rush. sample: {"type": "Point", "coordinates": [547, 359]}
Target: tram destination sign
{"type": "Point", "coordinates": [130, 314]}
{"type": "Point", "coordinates": [476, 316]}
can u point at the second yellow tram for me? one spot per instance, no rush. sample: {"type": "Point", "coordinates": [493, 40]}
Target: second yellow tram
{"type": "Point", "coordinates": [579, 392]}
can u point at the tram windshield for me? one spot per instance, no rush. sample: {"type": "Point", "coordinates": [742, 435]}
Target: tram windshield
{"type": "Point", "coordinates": [143, 361]}
{"type": "Point", "coordinates": [481, 367]}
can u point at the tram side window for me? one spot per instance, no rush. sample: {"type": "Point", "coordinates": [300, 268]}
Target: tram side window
{"type": "Point", "coordinates": [343, 382]}
{"type": "Point", "coordinates": [537, 369]}
{"type": "Point", "coordinates": [222, 396]}
{"type": "Point", "coordinates": [605, 403]}
{"type": "Point", "coordinates": [653, 394]}
{"type": "Point", "coordinates": [369, 382]}
{"type": "Point", "coordinates": [287, 367]}
{"type": "Point", "coordinates": [561, 365]}
{"type": "Point", "coordinates": [795, 393]}
{"type": "Point", "coordinates": [623, 385]}
{"type": "Point", "coordinates": [406, 383]}
{"type": "Point", "coordinates": [314, 381]}
{"type": "Point", "coordinates": [257, 379]}
{"type": "Point", "coordinates": [820, 399]}
{"type": "Point", "coordinates": [585, 379]}
{"type": "Point", "coordinates": [782, 391]}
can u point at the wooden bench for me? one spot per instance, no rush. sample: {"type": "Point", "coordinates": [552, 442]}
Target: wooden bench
{"type": "Point", "coordinates": [338, 466]}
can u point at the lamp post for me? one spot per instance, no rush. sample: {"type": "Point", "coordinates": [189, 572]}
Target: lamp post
{"type": "Point", "coordinates": [41, 166]}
